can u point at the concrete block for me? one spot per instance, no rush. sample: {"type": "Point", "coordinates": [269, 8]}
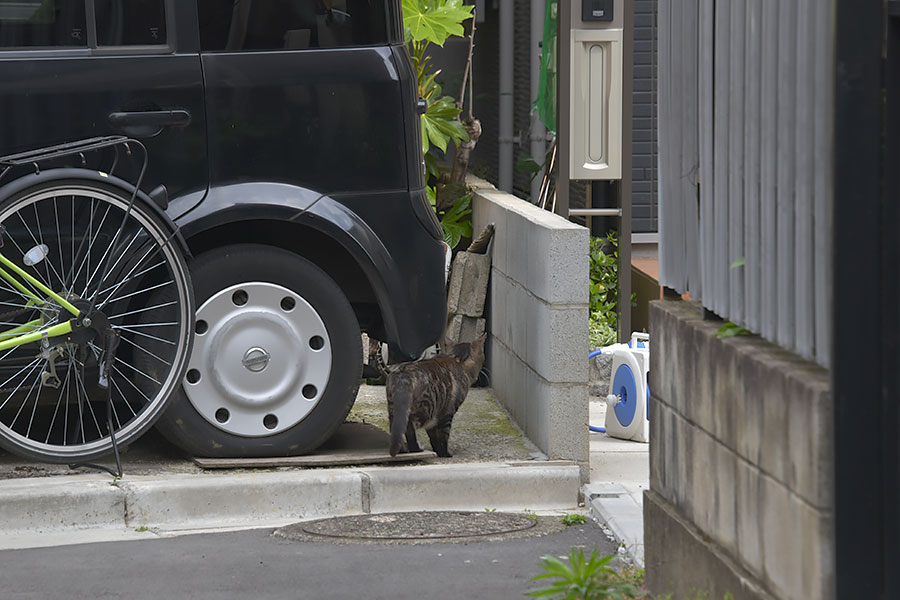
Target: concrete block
{"type": "Point", "coordinates": [697, 395]}
{"type": "Point", "coordinates": [682, 561]}
{"type": "Point", "coordinates": [557, 340]}
{"type": "Point", "coordinates": [749, 504]}
{"type": "Point", "coordinates": [468, 284]}
{"type": "Point", "coordinates": [772, 393]}
{"type": "Point", "coordinates": [726, 392]}
{"type": "Point", "coordinates": [537, 486]}
{"type": "Point", "coordinates": [558, 265]}
{"type": "Point", "coordinates": [193, 501]}
{"type": "Point", "coordinates": [749, 413]}
{"type": "Point", "coordinates": [78, 502]}
{"type": "Point", "coordinates": [463, 329]}
{"type": "Point", "coordinates": [817, 560]}
{"type": "Point", "coordinates": [783, 541]}
{"type": "Point", "coordinates": [810, 426]}
{"type": "Point", "coordinates": [485, 211]}
{"type": "Point", "coordinates": [703, 479]}
{"type": "Point", "coordinates": [724, 516]}
{"type": "Point", "coordinates": [658, 480]}
{"type": "Point", "coordinates": [568, 408]}
{"type": "Point", "coordinates": [684, 449]}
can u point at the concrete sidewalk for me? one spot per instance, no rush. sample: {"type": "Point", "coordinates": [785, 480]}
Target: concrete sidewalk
{"type": "Point", "coordinates": [493, 467]}
{"type": "Point", "coordinates": [620, 472]}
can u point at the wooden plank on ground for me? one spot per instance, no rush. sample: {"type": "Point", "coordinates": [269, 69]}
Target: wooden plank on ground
{"type": "Point", "coordinates": [335, 459]}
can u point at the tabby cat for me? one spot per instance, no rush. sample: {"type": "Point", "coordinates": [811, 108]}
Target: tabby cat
{"type": "Point", "coordinates": [427, 393]}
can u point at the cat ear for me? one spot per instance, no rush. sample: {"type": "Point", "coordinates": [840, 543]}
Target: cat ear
{"type": "Point", "coordinates": [460, 351]}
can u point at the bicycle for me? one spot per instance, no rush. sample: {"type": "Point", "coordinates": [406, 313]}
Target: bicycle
{"type": "Point", "coordinates": [96, 304]}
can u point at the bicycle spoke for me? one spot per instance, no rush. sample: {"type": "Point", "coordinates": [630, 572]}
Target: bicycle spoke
{"type": "Point", "coordinates": [116, 386]}
{"type": "Point", "coordinates": [129, 277]}
{"type": "Point", "coordinates": [140, 391]}
{"type": "Point", "coordinates": [79, 377]}
{"type": "Point", "coordinates": [49, 263]}
{"type": "Point", "coordinates": [136, 345]}
{"type": "Point", "coordinates": [129, 365]}
{"type": "Point", "coordinates": [47, 281]}
{"type": "Point", "coordinates": [147, 335]}
{"type": "Point", "coordinates": [143, 310]}
{"type": "Point", "coordinates": [33, 365]}
{"type": "Point", "coordinates": [87, 285]}
{"type": "Point", "coordinates": [149, 289]}
{"type": "Point", "coordinates": [62, 387]}
{"type": "Point", "coordinates": [62, 266]}
{"type": "Point", "coordinates": [27, 396]}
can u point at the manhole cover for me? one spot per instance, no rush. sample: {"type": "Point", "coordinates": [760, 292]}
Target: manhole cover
{"type": "Point", "coordinates": [420, 526]}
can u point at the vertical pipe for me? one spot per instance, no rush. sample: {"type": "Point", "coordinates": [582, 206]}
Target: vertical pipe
{"type": "Point", "coordinates": [538, 131]}
{"type": "Point", "coordinates": [563, 112]}
{"type": "Point", "coordinates": [624, 300]}
{"type": "Point", "coordinates": [505, 167]}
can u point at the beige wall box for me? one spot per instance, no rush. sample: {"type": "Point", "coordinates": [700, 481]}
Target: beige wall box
{"type": "Point", "coordinates": [596, 104]}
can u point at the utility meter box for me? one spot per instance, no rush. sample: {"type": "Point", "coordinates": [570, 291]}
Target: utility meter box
{"type": "Point", "coordinates": [596, 90]}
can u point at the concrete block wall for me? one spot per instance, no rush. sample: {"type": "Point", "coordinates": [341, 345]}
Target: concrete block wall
{"type": "Point", "coordinates": [741, 445]}
{"type": "Point", "coordinates": [537, 315]}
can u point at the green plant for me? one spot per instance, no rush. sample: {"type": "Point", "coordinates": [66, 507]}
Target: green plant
{"type": "Point", "coordinates": [730, 329]}
{"type": "Point", "coordinates": [584, 579]}
{"type": "Point", "coordinates": [529, 514]}
{"type": "Point", "coordinates": [455, 221]}
{"type": "Point", "coordinates": [573, 519]}
{"type": "Point", "coordinates": [604, 258]}
{"type": "Point", "coordinates": [490, 510]}
{"type": "Point", "coordinates": [427, 23]}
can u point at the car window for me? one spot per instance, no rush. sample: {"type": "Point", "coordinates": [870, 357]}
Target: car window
{"type": "Point", "coordinates": [130, 22]}
{"type": "Point", "coordinates": [244, 25]}
{"type": "Point", "coordinates": [42, 23]}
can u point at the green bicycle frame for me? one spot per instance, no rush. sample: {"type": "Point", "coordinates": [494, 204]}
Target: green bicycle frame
{"type": "Point", "coordinates": [26, 333]}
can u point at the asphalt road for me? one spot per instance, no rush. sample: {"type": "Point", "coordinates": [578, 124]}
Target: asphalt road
{"type": "Point", "coordinates": [256, 565]}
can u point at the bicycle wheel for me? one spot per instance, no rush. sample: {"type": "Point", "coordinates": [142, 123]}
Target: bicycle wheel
{"type": "Point", "coordinates": [51, 404]}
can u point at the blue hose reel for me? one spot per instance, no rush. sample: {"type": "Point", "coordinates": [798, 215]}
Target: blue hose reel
{"type": "Point", "coordinates": [629, 396]}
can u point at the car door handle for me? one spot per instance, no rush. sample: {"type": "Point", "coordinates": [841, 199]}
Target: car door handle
{"type": "Point", "coordinates": [151, 118]}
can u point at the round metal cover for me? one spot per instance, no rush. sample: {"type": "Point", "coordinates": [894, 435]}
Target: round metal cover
{"type": "Point", "coordinates": [413, 526]}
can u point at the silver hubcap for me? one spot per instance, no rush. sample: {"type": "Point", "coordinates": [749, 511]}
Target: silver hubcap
{"type": "Point", "coordinates": [261, 359]}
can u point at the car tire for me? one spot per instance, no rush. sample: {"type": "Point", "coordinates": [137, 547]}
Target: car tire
{"type": "Point", "coordinates": [277, 357]}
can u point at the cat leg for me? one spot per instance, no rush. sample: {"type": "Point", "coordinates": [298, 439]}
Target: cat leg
{"type": "Point", "coordinates": [412, 443]}
{"type": "Point", "coordinates": [439, 437]}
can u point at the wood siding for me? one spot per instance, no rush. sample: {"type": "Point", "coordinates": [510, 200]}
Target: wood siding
{"type": "Point", "coordinates": [745, 106]}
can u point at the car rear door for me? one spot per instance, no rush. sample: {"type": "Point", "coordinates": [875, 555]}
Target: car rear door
{"type": "Point", "coordinates": [73, 69]}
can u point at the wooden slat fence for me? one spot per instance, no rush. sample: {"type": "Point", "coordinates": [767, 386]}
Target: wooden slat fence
{"type": "Point", "coordinates": [745, 109]}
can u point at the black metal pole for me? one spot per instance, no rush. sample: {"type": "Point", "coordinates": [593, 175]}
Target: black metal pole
{"type": "Point", "coordinates": [624, 186]}
{"type": "Point", "coordinates": [857, 376]}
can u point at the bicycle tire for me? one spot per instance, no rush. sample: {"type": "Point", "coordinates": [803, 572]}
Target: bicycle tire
{"type": "Point", "coordinates": [76, 223]}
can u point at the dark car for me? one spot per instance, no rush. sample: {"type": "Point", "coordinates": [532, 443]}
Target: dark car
{"type": "Point", "coordinates": [286, 134]}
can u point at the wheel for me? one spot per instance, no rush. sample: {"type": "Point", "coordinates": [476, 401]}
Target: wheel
{"type": "Point", "coordinates": [52, 407]}
{"type": "Point", "coordinates": [277, 357]}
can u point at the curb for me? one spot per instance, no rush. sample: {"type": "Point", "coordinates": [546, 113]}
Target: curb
{"type": "Point", "coordinates": [615, 506]}
{"type": "Point", "coordinates": [56, 505]}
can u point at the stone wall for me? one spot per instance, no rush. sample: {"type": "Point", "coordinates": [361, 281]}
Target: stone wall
{"type": "Point", "coordinates": [537, 315]}
{"type": "Point", "coordinates": [741, 485]}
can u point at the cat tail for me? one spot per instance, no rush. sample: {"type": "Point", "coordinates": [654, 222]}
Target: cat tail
{"type": "Point", "coordinates": [402, 399]}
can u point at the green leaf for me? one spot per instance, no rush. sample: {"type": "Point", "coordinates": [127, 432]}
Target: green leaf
{"type": "Point", "coordinates": [434, 20]}
{"type": "Point", "coordinates": [738, 262]}
{"type": "Point", "coordinates": [730, 329]}
{"type": "Point", "coordinates": [526, 164]}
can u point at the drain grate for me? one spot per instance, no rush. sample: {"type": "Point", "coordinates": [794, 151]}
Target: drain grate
{"type": "Point", "coordinates": [413, 526]}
